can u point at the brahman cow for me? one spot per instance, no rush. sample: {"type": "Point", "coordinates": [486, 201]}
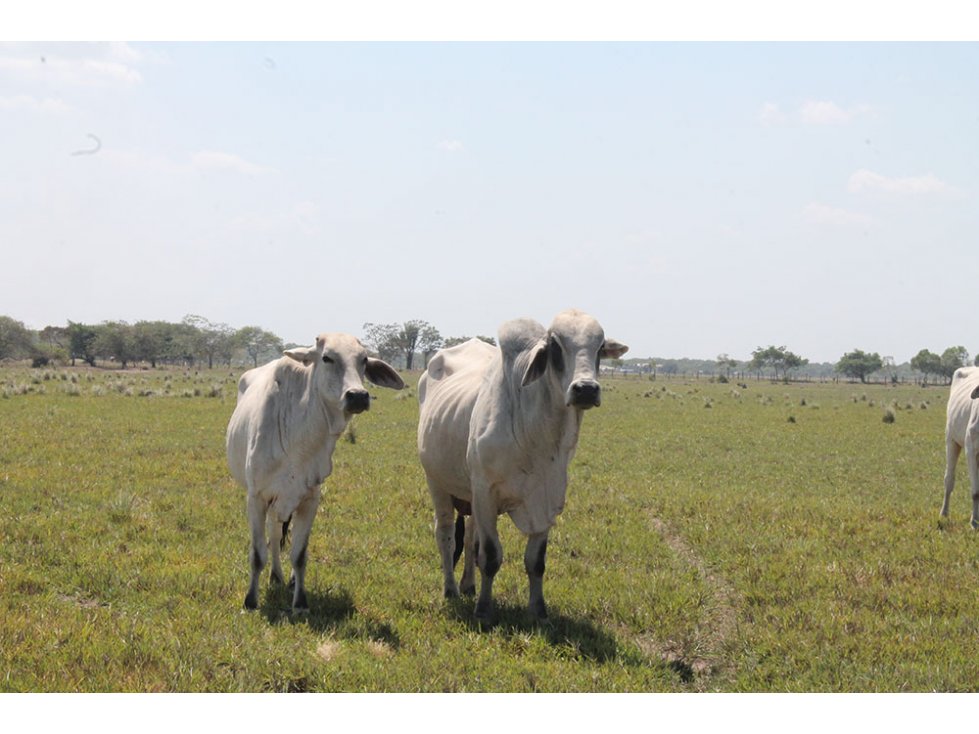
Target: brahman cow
{"type": "Point", "coordinates": [497, 429]}
{"type": "Point", "coordinates": [962, 431]}
{"type": "Point", "coordinates": [280, 443]}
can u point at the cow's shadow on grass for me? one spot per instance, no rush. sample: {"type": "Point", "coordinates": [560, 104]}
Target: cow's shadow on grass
{"type": "Point", "coordinates": [332, 612]}
{"type": "Point", "coordinates": [579, 636]}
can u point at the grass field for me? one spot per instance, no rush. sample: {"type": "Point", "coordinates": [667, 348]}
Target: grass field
{"type": "Point", "coordinates": [774, 538]}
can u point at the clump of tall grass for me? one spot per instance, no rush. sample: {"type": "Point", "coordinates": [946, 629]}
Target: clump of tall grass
{"type": "Point", "coordinates": [889, 415]}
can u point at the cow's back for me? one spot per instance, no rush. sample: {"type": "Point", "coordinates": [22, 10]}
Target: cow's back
{"type": "Point", "coordinates": [960, 403]}
{"type": "Point", "coordinates": [447, 392]}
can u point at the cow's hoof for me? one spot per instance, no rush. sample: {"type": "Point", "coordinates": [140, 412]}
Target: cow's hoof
{"type": "Point", "coordinates": [483, 614]}
{"type": "Point", "coordinates": [276, 578]}
{"type": "Point", "coordinates": [450, 593]}
{"type": "Point", "coordinates": [975, 524]}
{"type": "Point", "coordinates": [251, 601]}
{"type": "Point", "coordinates": [299, 604]}
{"type": "Point", "coordinates": [469, 590]}
{"type": "Point", "coordinates": [538, 611]}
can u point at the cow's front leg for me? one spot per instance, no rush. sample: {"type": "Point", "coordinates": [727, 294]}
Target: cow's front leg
{"type": "Point", "coordinates": [489, 554]}
{"type": "Point", "coordinates": [533, 561]}
{"type": "Point", "coordinates": [275, 531]}
{"type": "Point", "coordinates": [302, 524]}
{"type": "Point", "coordinates": [258, 556]}
{"type": "Point", "coordinates": [972, 457]}
{"type": "Point", "coordinates": [952, 451]}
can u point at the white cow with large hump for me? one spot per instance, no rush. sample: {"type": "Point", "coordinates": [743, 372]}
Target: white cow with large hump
{"type": "Point", "coordinates": [962, 431]}
{"type": "Point", "coordinates": [280, 443]}
{"type": "Point", "coordinates": [498, 428]}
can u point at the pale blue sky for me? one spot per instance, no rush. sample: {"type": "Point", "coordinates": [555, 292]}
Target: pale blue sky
{"type": "Point", "coordinates": [696, 198]}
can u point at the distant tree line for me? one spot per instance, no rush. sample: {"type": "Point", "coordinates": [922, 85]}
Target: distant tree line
{"type": "Point", "coordinates": [192, 341]}
{"type": "Point", "coordinates": [780, 364]}
{"type": "Point", "coordinates": [197, 341]}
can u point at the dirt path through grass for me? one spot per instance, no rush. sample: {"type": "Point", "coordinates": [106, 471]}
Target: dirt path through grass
{"type": "Point", "coordinates": [700, 659]}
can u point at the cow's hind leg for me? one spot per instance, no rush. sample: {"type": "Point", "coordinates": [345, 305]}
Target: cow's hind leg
{"type": "Point", "coordinates": [302, 524]}
{"type": "Point", "coordinates": [533, 561]}
{"type": "Point", "coordinates": [467, 584]}
{"type": "Point", "coordinates": [489, 555]}
{"type": "Point", "coordinates": [258, 555]}
{"type": "Point", "coordinates": [445, 540]}
{"type": "Point", "coordinates": [952, 451]}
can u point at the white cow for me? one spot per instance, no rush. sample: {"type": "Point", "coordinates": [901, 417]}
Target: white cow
{"type": "Point", "coordinates": [280, 443]}
{"type": "Point", "coordinates": [498, 428]}
{"type": "Point", "coordinates": [962, 431]}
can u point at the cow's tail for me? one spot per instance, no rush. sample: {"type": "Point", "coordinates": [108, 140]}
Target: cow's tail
{"type": "Point", "coordinates": [460, 538]}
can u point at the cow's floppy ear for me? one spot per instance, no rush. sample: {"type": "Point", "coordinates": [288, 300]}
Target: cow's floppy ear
{"type": "Point", "coordinates": [612, 349]}
{"type": "Point", "coordinates": [538, 363]}
{"type": "Point", "coordinates": [975, 393]}
{"type": "Point", "coordinates": [382, 374]}
{"type": "Point", "coordinates": [306, 355]}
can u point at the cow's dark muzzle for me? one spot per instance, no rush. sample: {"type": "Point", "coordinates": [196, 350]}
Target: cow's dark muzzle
{"type": "Point", "coordinates": [356, 401]}
{"type": "Point", "coordinates": [585, 394]}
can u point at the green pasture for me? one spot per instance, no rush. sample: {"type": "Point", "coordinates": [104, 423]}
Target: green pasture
{"type": "Point", "coordinates": [720, 538]}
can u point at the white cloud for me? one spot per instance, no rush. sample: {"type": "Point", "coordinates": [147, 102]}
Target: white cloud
{"type": "Point", "coordinates": [30, 103]}
{"type": "Point", "coordinates": [451, 146]}
{"type": "Point", "coordinates": [823, 113]}
{"type": "Point", "coordinates": [821, 214]}
{"type": "Point", "coordinates": [213, 160]}
{"type": "Point", "coordinates": [68, 71]}
{"type": "Point", "coordinates": [770, 114]}
{"type": "Point", "coordinates": [867, 181]}
{"type": "Point", "coordinates": [811, 112]}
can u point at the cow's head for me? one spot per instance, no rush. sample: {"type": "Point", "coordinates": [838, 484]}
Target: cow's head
{"type": "Point", "coordinates": [569, 354]}
{"type": "Point", "coordinates": [340, 363]}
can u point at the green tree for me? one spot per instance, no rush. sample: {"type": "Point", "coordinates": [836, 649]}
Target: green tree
{"type": "Point", "coordinates": [114, 340]}
{"type": "Point", "coordinates": [81, 343]}
{"type": "Point", "coordinates": [778, 359]}
{"type": "Point", "coordinates": [211, 340]}
{"type": "Point", "coordinates": [383, 340]}
{"type": "Point", "coordinates": [394, 340]}
{"type": "Point", "coordinates": [927, 363]}
{"type": "Point", "coordinates": [151, 341]}
{"type": "Point", "coordinates": [859, 364]}
{"type": "Point", "coordinates": [258, 343]}
{"type": "Point", "coordinates": [16, 341]}
{"type": "Point", "coordinates": [953, 358]}
{"type": "Point", "coordinates": [727, 363]}
{"type": "Point", "coordinates": [429, 342]}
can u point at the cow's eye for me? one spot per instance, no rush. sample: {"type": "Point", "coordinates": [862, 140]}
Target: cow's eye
{"type": "Point", "coordinates": [327, 359]}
